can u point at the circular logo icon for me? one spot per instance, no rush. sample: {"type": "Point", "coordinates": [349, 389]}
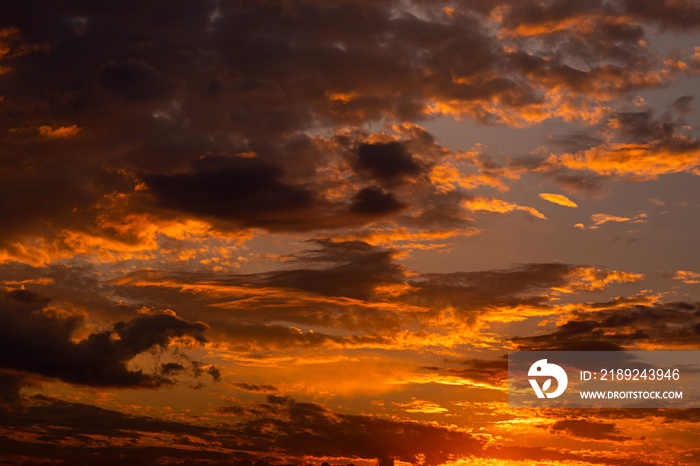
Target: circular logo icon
{"type": "Point", "coordinates": [543, 369]}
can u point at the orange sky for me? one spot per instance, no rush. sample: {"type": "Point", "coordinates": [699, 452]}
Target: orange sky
{"type": "Point", "coordinates": [302, 232]}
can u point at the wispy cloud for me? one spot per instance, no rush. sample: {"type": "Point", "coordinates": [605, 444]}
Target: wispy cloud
{"type": "Point", "coordinates": [488, 204]}
{"type": "Point", "coordinates": [558, 199]}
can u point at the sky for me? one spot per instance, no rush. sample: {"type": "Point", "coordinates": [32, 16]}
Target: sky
{"type": "Point", "coordinates": [304, 232]}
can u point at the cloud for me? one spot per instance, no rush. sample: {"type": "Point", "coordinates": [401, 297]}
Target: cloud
{"type": "Point", "coordinates": [601, 219]}
{"type": "Point", "coordinates": [489, 372]}
{"type": "Point", "coordinates": [132, 79]}
{"type": "Point", "coordinates": [238, 189]}
{"type": "Point", "coordinates": [558, 199]}
{"type": "Point", "coordinates": [375, 202]}
{"type": "Point", "coordinates": [388, 162]}
{"type": "Point", "coordinates": [637, 145]}
{"type": "Point", "coordinates": [687, 276]}
{"type": "Point", "coordinates": [593, 430]}
{"type": "Point", "coordinates": [582, 183]}
{"type": "Point", "coordinates": [309, 429]}
{"type": "Point", "coordinates": [637, 159]}
{"type": "Point", "coordinates": [617, 327]}
{"type": "Point", "coordinates": [255, 388]}
{"type": "Point", "coordinates": [487, 204]}
{"type": "Point", "coordinates": [281, 425]}
{"type": "Point", "coordinates": [38, 339]}
{"type": "Point", "coordinates": [166, 123]}
{"type": "Point", "coordinates": [187, 137]}
{"type": "Point", "coordinates": [422, 406]}
{"type": "Point", "coordinates": [360, 289]}
{"type": "Point", "coordinates": [10, 385]}
{"type": "Point", "coordinates": [682, 104]}
{"type": "Point", "coordinates": [61, 132]}
{"type": "Point", "coordinates": [76, 433]}
{"type": "Point", "coordinates": [668, 14]}
{"type": "Point", "coordinates": [278, 428]}
{"type": "Point", "coordinates": [508, 293]}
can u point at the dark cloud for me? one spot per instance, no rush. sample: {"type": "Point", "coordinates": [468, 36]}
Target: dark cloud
{"type": "Point", "coordinates": [388, 162]}
{"type": "Point", "coordinates": [53, 186]}
{"type": "Point", "coordinates": [243, 190]}
{"type": "Point", "coordinates": [682, 104]}
{"type": "Point", "coordinates": [355, 287]}
{"type": "Point", "coordinates": [667, 416]}
{"type": "Point", "coordinates": [586, 183]}
{"type": "Point", "coordinates": [72, 431]}
{"type": "Point", "coordinates": [669, 14]}
{"type": "Point", "coordinates": [164, 93]}
{"type": "Point", "coordinates": [277, 186]}
{"type": "Point", "coordinates": [643, 127]}
{"type": "Point", "coordinates": [133, 79]}
{"type": "Point", "coordinates": [299, 430]}
{"type": "Point", "coordinates": [309, 429]}
{"type": "Point", "coordinates": [540, 454]}
{"type": "Point", "coordinates": [214, 372]}
{"type": "Point", "coordinates": [10, 385]}
{"type": "Point", "coordinates": [258, 341]}
{"type": "Point", "coordinates": [38, 340]}
{"type": "Point", "coordinates": [472, 294]}
{"type": "Point", "coordinates": [586, 429]}
{"type": "Point", "coordinates": [349, 269]}
{"type": "Point", "coordinates": [78, 287]}
{"type": "Point", "coordinates": [668, 325]}
{"type": "Point", "coordinates": [255, 388]}
{"type": "Point", "coordinates": [171, 368]}
{"type": "Point", "coordinates": [571, 180]}
{"type": "Point", "coordinates": [493, 372]}
{"type": "Point", "coordinates": [375, 202]}
{"type": "Point", "coordinates": [348, 285]}
{"type": "Point", "coordinates": [577, 142]}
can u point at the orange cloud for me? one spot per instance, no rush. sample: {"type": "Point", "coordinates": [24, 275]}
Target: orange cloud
{"type": "Point", "coordinates": [406, 238]}
{"type": "Point", "coordinates": [602, 219]}
{"type": "Point", "coordinates": [645, 160]}
{"type": "Point", "coordinates": [60, 132]}
{"type": "Point", "coordinates": [558, 199]}
{"type": "Point", "coordinates": [138, 239]}
{"type": "Point", "coordinates": [469, 170]}
{"type": "Point", "coordinates": [686, 276]}
{"type": "Point", "coordinates": [489, 204]}
{"type": "Point", "coordinates": [422, 406]}
{"type": "Point", "coordinates": [594, 279]}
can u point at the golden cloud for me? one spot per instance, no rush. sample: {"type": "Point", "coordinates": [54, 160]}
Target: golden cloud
{"type": "Point", "coordinates": [489, 204]}
{"type": "Point", "coordinates": [558, 199]}
{"type": "Point", "coordinates": [60, 132]}
{"type": "Point", "coordinates": [633, 160]}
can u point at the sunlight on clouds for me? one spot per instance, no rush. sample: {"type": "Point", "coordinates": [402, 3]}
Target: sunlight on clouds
{"type": "Point", "coordinates": [287, 233]}
{"type": "Point", "coordinates": [633, 159]}
{"type": "Point", "coordinates": [395, 236]}
{"type": "Point", "coordinates": [422, 406]}
{"type": "Point", "coordinates": [58, 133]}
{"type": "Point", "coordinates": [601, 219]}
{"type": "Point", "coordinates": [558, 199]}
{"type": "Point", "coordinates": [593, 279]}
{"type": "Point", "coordinates": [687, 276]}
{"type": "Point", "coordinates": [489, 204]}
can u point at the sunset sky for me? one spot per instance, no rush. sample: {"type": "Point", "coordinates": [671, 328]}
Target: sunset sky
{"type": "Point", "coordinates": [303, 231]}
